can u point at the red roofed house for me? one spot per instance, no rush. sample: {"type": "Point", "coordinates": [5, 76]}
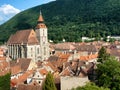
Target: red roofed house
{"type": "Point", "coordinates": [4, 66]}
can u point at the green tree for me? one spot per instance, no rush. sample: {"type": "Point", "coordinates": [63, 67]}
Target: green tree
{"type": "Point", "coordinates": [49, 83]}
{"type": "Point", "coordinates": [90, 86]}
{"type": "Point", "coordinates": [108, 74]}
{"type": "Point", "coordinates": [5, 82]}
{"type": "Point", "coordinates": [111, 40]}
{"type": "Point", "coordinates": [102, 55]}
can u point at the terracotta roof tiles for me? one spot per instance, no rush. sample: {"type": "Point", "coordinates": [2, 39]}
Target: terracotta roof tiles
{"type": "Point", "coordinates": [22, 78]}
{"type": "Point", "coordinates": [89, 57]}
{"type": "Point", "coordinates": [4, 67]}
{"type": "Point", "coordinates": [41, 25]}
{"type": "Point", "coordinates": [89, 48]}
{"type": "Point", "coordinates": [64, 46]}
{"type": "Point", "coordinates": [23, 37]}
{"type": "Point", "coordinates": [43, 71]}
{"type": "Point", "coordinates": [29, 87]}
{"type": "Point", "coordinates": [15, 69]}
{"type": "Point", "coordinates": [40, 19]}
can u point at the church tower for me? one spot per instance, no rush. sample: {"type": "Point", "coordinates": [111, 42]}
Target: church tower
{"type": "Point", "coordinates": [42, 35]}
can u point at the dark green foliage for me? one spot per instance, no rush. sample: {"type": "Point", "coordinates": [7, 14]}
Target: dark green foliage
{"type": "Point", "coordinates": [90, 86]}
{"type": "Point", "coordinates": [108, 74]}
{"type": "Point", "coordinates": [103, 55]}
{"type": "Point", "coordinates": [70, 19]}
{"type": "Point", "coordinates": [5, 82]}
{"type": "Point", "coordinates": [49, 83]}
{"type": "Point", "coordinates": [112, 40]}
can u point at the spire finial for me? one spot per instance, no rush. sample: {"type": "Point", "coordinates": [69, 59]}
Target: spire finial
{"type": "Point", "coordinates": [40, 12]}
{"type": "Point", "coordinates": [40, 19]}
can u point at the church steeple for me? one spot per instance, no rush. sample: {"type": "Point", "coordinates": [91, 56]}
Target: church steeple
{"type": "Point", "coordinates": [40, 19]}
{"type": "Point", "coordinates": [40, 22]}
{"type": "Point", "coordinates": [42, 36]}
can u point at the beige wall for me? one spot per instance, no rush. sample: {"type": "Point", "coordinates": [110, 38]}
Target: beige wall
{"type": "Point", "coordinates": [67, 83]}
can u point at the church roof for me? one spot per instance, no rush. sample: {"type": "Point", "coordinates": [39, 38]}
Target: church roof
{"type": "Point", "coordinates": [40, 19]}
{"type": "Point", "coordinates": [23, 37]}
{"type": "Point", "coordinates": [40, 23]}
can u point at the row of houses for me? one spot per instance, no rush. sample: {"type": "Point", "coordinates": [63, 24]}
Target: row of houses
{"type": "Point", "coordinates": [66, 63]}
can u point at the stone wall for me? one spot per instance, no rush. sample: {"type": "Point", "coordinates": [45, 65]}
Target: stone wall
{"type": "Point", "coordinates": [67, 82]}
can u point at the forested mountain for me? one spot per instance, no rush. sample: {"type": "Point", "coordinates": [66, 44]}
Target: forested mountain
{"type": "Point", "coordinates": [69, 19]}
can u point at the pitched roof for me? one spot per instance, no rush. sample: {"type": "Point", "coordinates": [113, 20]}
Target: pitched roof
{"type": "Point", "coordinates": [40, 19]}
{"type": "Point", "coordinates": [76, 68]}
{"type": "Point", "coordinates": [43, 71]}
{"type": "Point", "coordinates": [15, 69]}
{"type": "Point", "coordinates": [67, 72]}
{"type": "Point", "coordinates": [23, 37]}
{"type": "Point", "coordinates": [1, 52]}
{"type": "Point", "coordinates": [53, 58]}
{"type": "Point", "coordinates": [64, 46]}
{"type": "Point", "coordinates": [89, 48]}
{"type": "Point", "coordinates": [89, 57]}
{"type": "Point", "coordinates": [23, 63]}
{"type": "Point", "coordinates": [41, 25]}
{"type": "Point", "coordinates": [4, 66]}
{"type": "Point", "coordinates": [29, 87]}
{"type": "Point", "coordinates": [49, 64]}
{"type": "Point", "coordinates": [22, 78]}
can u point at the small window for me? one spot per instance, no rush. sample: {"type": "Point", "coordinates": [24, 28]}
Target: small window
{"type": "Point", "coordinates": [44, 50]}
{"type": "Point", "coordinates": [31, 49]}
{"type": "Point", "coordinates": [38, 51]}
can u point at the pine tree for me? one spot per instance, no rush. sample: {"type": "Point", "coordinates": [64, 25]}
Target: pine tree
{"type": "Point", "coordinates": [103, 55]}
{"type": "Point", "coordinates": [5, 82]}
{"type": "Point", "coordinates": [49, 83]}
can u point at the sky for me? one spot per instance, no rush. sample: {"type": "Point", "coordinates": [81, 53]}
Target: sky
{"type": "Point", "coordinates": [9, 8]}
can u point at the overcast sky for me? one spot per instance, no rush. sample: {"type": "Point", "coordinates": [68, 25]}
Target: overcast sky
{"type": "Point", "coordinates": [8, 8]}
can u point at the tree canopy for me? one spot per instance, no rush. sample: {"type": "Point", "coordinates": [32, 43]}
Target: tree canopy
{"type": "Point", "coordinates": [108, 74]}
{"type": "Point", "coordinates": [103, 55]}
{"type": "Point", "coordinates": [90, 86]}
{"type": "Point", "coordinates": [69, 19]}
{"type": "Point", "coordinates": [5, 82]}
{"type": "Point", "coordinates": [49, 83]}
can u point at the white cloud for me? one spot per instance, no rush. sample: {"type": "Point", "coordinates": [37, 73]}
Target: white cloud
{"type": "Point", "coordinates": [6, 12]}
{"type": "Point", "coordinates": [1, 18]}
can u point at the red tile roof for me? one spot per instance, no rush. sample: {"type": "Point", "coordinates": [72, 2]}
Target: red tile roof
{"type": "Point", "coordinates": [1, 51]}
{"type": "Point", "coordinates": [20, 65]}
{"type": "Point", "coordinates": [15, 69]}
{"type": "Point", "coordinates": [43, 71]}
{"type": "Point", "coordinates": [89, 57]}
{"type": "Point", "coordinates": [29, 87]}
{"type": "Point", "coordinates": [2, 58]}
{"type": "Point", "coordinates": [4, 66]}
{"type": "Point", "coordinates": [64, 46]}
{"type": "Point", "coordinates": [40, 19]}
{"type": "Point", "coordinates": [89, 48]}
{"type": "Point", "coordinates": [23, 37]}
{"type": "Point", "coordinates": [41, 25]}
{"type": "Point", "coordinates": [21, 78]}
